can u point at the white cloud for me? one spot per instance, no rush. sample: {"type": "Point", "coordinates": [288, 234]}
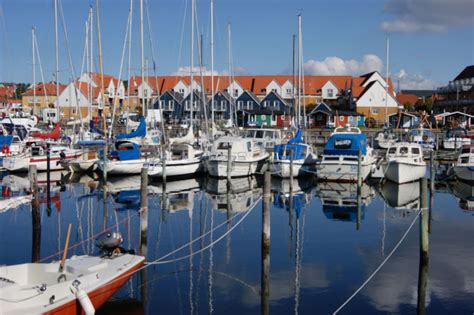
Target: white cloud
{"type": "Point", "coordinates": [183, 71]}
{"type": "Point", "coordinates": [427, 15]}
{"type": "Point", "coordinates": [409, 81]}
{"type": "Point", "coordinates": [337, 66]}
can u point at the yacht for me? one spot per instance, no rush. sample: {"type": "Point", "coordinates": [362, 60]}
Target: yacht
{"type": "Point", "coordinates": [304, 159]}
{"type": "Point", "coordinates": [464, 167]}
{"type": "Point", "coordinates": [125, 159]}
{"type": "Point", "coordinates": [340, 156]}
{"type": "Point", "coordinates": [455, 138]}
{"type": "Point", "coordinates": [247, 157]}
{"type": "Point", "coordinates": [405, 163]}
{"type": "Point", "coordinates": [267, 138]}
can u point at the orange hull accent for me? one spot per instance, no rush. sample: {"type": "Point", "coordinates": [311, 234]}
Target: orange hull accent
{"type": "Point", "coordinates": [98, 297]}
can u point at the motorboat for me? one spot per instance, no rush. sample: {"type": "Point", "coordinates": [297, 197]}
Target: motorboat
{"type": "Point", "coordinates": [385, 138]}
{"type": "Point", "coordinates": [85, 283]}
{"type": "Point", "coordinates": [405, 163]}
{"type": "Point", "coordinates": [179, 160]}
{"type": "Point", "coordinates": [266, 137]}
{"type": "Point", "coordinates": [125, 159]}
{"type": "Point", "coordinates": [246, 157]}
{"type": "Point", "coordinates": [36, 154]}
{"type": "Point", "coordinates": [296, 155]}
{"type": "Point", "coordinates": [422, 136]}
{"type": "Point", "coordinates": [340, 156]}
{"type": "Point", "coordinates": [455, 138]}
{"type": "Point", "coordinates": [464, 167]}
{"type": "Point", "coordinates": [465, 192]}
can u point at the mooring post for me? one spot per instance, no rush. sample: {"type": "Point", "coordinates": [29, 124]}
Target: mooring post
{"type": "Point", "coordinates": [48, 177]}
{"type": "Point", "coordinates": [163, 164]}
{"type": "Point", "coordinates": [432, 171]}
{"type": "Point", "coordinates": [359, 170]}
{"type": "Point", "coordinates": [265, 271]}
{"type": "Point", "coordinates": [143, 229]}
{"type": "Point", "coordinates": [424, 247]}
{"type": "Point", "coordinates": [291, 170]}
{"type": "Point", "coordinates": [35, 215]}
{"type": "Point", "coordinates": [229, 163]}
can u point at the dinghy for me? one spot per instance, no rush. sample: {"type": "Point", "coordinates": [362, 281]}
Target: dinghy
{"type": "Point", "coordinates": [84, 285]}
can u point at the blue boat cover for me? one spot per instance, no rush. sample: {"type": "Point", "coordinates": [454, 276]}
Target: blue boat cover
{"type": "Point", "coordinates": [130, 152]}
{"type": "Point", "coordinates": [346, 144]}
{"type": "Point", "coordinates": [338, 213]}
{"type": "Point", "coordinates": [298, 137]}
{"type": "Point", "coordinates": [91, 142]}
{"type": "Point", "coordinates": [6, 140]}
{"type": "Point", "coordinates": [139, 132]}
{"type": "Point", "coordinates": [281, 151]}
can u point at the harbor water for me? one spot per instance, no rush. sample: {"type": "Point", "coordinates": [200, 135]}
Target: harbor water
{"type": "Point", "coordinates": [203, 243]}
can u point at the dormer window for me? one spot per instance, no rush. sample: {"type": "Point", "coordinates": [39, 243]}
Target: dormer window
{"type": "Point", "coordinates": [263, 90]}
{"type": "Point", "coordinates": [330, 93]}
{"type": "Point", "coordinates": [236, 92]}
{"type": "Point", "coordinates": [274, 90]}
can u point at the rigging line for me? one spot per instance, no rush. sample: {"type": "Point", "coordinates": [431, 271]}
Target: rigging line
{"type": "Point", "coordinates": [180, 48]}
{"type": "Point", "coordinates": [381, 264]}
{"type": "Point", "coordinates": [41, 69]}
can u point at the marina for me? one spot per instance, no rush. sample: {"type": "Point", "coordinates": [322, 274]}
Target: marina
{"type": "Point", "coordinates": [132, 184]}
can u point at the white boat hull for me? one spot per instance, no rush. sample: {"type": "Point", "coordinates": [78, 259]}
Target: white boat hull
{"type": "Point", "coordinates": [342, 172]}
{"type": "Point", "coordinates": [282, 168]}
{"type": "Point", "coordinates": [127, 167]}
{"type": "Point", "coordinates": [175, 168]}
{"type": "Point", "coordinates": [218, 168]}
{"type": "Point", "coordinates": [454, 144]}
{"type": "Point", "coordinates": [21, 163]}
{"type": "Point", "coordinates": [403, 172]}
{"type": "Point", "coordinates": [465, 172]}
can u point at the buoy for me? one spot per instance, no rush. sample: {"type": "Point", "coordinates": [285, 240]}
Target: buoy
{"type": "Point", "coordinates": [85, 302]}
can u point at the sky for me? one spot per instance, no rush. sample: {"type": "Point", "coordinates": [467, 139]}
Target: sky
{"type": "Point", "coordinates": [431, 41]}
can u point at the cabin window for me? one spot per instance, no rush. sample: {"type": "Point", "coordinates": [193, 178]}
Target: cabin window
{"type": "Point", "coordinates": [465, 159]}
{"type": "Point", "coordinates": [415, 151]}
{"type": "Point", "coordinates": [259, 134]}
{"type": "Point", "coordinates": [392, 150]}
{"type": "Point", "coordinates": [223, 145]}
{"type": "Point", "coordinates": [331, 158]}
{"type": "Point", "coordinates": [342, 143]}
{"type": "Point", "coordinates": [403, 150]}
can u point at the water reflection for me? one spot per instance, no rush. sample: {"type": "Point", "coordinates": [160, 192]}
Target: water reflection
{"type": "Point", "coordinates": [315, 264]}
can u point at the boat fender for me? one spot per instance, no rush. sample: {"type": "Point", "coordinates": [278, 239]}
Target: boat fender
{"type": "Point", "coordinates": [85, 302]}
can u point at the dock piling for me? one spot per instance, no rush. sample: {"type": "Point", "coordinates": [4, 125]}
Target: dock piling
{"type": "Point", "coordinates": [35, 215]}
{"type": "Point", "coordinates": [265, 269]}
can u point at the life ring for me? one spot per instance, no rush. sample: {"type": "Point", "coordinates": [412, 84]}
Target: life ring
{"type": "Point", "coordinates": [289, 135]}
{"type": "Point", "coordinates": [6, 149]}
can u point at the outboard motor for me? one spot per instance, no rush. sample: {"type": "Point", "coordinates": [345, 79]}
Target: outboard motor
{"type": "Point", "coordinates": [109, 244]}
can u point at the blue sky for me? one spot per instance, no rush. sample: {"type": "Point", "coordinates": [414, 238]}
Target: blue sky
{"type": "Point", "coordinates": [431, 41]}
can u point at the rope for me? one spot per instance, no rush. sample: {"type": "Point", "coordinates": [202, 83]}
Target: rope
{"type": "Point", "coordinates": [380, 266]}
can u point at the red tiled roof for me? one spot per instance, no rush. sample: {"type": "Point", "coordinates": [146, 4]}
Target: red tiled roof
{"type": "Point", "coordinates": [7, 91]}
{"type": "Point", "coordinates": [407, 98]}
{"type": "Point", "coordinates": [46, 88]}
{"type": "Point", "coordinates": [97, 79]}
{"type": "Point", "coordinates": [84, 88]}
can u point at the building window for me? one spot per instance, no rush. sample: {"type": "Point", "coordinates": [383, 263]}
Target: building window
{"type": "Point", "coordinates": [274, 90]}
{"type": "Point", "coordinates": [187, 105]}
{"type": "Point", "coordinates": [263, 90]}
{"type": "Point", "coordinates": [374, 110]}
{"type": "Point", "coordinates": [288, 91]}
{"type": "Point", "coordinates": [275, 103]}
{"type": "Point", "coordinates": [240, 105]}
{"type": "Point", "coordinates": [330, 93]}
{"type": "Point", "coordinates": [170, 105]}
{"type": "Point", "coordinates": [249, 104]}
{"type": "Point", "coordinates": [341, 118]}
{"type": "Point", "coordinates": [181, 91]}
{"type": "Point", "coordinates": [236, 92]}
{"type": "Point", "coordinates": [265, 103]}
{"type": "Point", "coordinates": [223, 103]}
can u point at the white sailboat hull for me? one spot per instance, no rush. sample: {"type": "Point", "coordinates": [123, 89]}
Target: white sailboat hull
{"type": "Point", "coordinates": [404, 172]}
{"type": "Point", "coordinates": [21, 163]}
{"type": "Point", "coordinates": [127, 167]}
{"type": "Point", "coordinates": [175, 168]}
{"type": "Point", "coordinates": [282, 168]}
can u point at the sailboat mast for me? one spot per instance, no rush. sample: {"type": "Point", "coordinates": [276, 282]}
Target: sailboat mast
{"type": "Point", "coordinates": [386, 85]}
{"type": "Point", "coordinates": [33, 67]}
{"type": "Point", "coordinates": [300, 67]}
{"type": "Point", "coordinates": [212, 67]}
{"type": "Point", "coordinates": [191, 75]}
{"type": "Point", "coordinates": [142, 58]}
{"type": "Point", "coordinates": [231, 79]}
{"type": "Point", "coordinates": [56, 44]}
